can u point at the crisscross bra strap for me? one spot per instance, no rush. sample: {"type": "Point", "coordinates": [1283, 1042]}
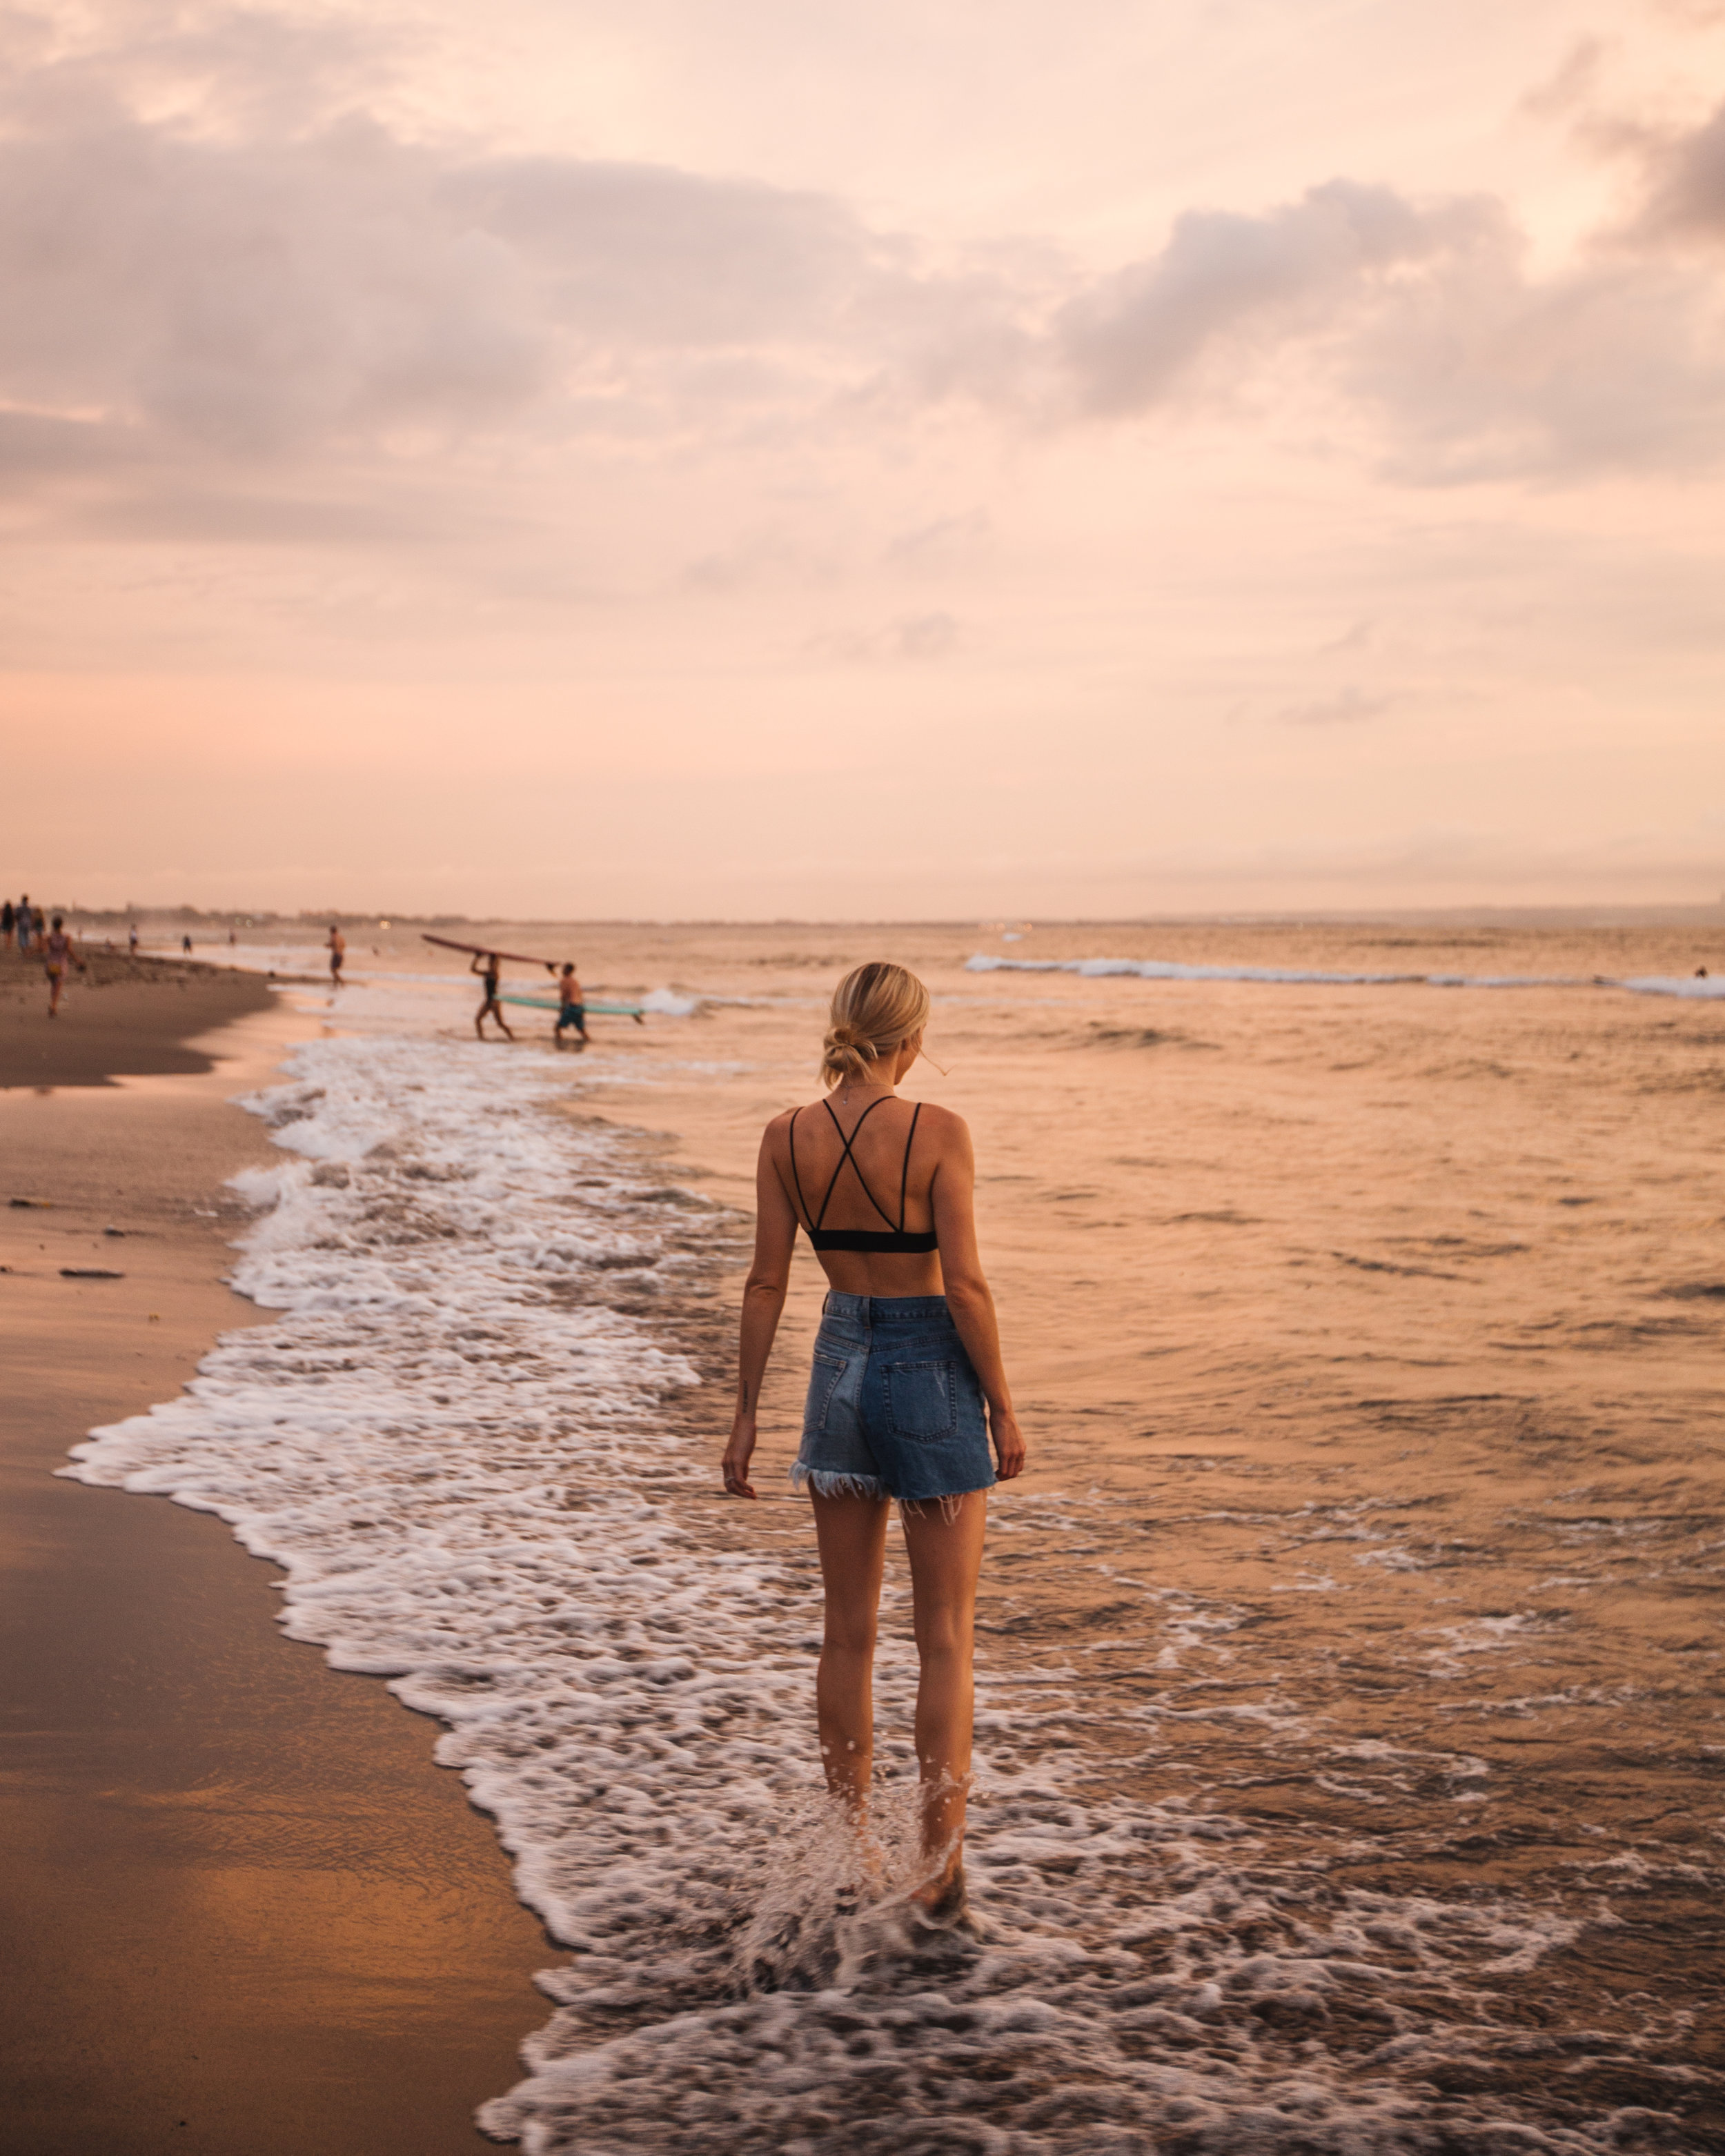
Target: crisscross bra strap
{"type": "Point", "coordinates": [813, 1220]}
{"type": "Point", "coordinates": [904, 1176]}
{"type": "Point", "coordinates": [847, 1143]}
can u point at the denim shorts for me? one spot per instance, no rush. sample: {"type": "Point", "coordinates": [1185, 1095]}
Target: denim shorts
{"type": "Point", "coordinates": [894, 1410]}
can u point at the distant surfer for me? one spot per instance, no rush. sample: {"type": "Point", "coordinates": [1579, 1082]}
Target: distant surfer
{"type": "Point", "coordinates": [572, 1007]}
{"type": "Point", "coordinates": [338, 952]}
{"type": "Point", "coordinates": [57, 953]}
{"type": "Point", "coordinates": [491, 966]}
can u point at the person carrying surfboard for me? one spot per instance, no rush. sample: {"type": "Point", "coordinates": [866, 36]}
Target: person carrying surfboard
{"type": "Point", "coordinates": [571, 1008]}
{"type": "Point", "coordinates": [488, 964]}
{"type": "Point", "coordinates": [477, 951]}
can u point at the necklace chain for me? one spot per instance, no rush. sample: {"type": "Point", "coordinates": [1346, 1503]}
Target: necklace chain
{"type": "Point", "coordinates": [844, 1093]}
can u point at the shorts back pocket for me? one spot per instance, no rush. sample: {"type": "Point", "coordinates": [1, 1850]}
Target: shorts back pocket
{"type": "Point", "coordinates": [823, 1375]}
{"type": "Point", "coordinates": [922, 1399]}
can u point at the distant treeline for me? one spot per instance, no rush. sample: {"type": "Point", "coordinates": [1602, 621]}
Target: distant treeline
{"type": "Point", "coordinates": [225, 917]}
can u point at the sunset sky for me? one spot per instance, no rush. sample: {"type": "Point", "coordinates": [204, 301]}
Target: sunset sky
{"type": "Point", "coordinates": [639, 457]}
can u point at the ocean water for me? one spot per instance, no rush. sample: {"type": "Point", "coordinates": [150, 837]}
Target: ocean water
{"type": "Point", "coordinates": [1351, 1731]}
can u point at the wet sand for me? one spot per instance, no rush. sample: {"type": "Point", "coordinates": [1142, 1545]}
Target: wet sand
{"type": "Point", "coordinates": [243, 1907]}
{"type": "Point", "coordinates": [121, 1017]}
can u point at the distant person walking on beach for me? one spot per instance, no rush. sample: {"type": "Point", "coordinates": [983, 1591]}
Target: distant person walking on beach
{"type": "Point", "coordinates": [907, 1359]}
{"type": "Point", "coordinates": [8, 922]}
{"type": "Point", "coordinates": [58, 952]}
{"type": "Point", "coordinates": [23, 926]}
{"type": "Point", "coordinates": [491, 966]}
{"type": "Point", "coordinates": [572, 1009]}
{"type": "Point", "coordinates": [338, 952]}
{"type": "Point", "coordinates": [131, 939]}
{"type": "Point", "coordinates": [185, 943]}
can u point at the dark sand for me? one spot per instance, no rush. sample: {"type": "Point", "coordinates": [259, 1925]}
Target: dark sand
{"type": "Point", "coordinates": [121, 1017]}
{"type": "Point", "coordinates": [242, 1910]}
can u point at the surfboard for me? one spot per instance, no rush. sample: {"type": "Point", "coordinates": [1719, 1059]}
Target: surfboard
{"type": "Point", "coordinates": [536, 1002]}
{"type": "Point", "coordinates": [592, 1009]}
{"type": "Point", "coordinates": [484, 951]}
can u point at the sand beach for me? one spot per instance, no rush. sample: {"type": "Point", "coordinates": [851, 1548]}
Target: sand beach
{"type": "Point", "coordinates": [1349, 1694]}
{"type": "Point", "coordinates": [235, 1885]}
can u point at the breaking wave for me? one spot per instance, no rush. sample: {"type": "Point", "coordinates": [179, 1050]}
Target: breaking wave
{"type": "Point", "coordinates": [1702, 989]}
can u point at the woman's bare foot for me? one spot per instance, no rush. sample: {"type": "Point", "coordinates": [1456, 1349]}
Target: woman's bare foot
{"type": "Point", "coordinates": [943, 1898]}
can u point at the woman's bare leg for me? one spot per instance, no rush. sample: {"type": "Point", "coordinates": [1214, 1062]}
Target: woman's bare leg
{"type": "Point", "coordinates": [851, 1532]}
{"type": "Point", "coordinates": [946, 1557]}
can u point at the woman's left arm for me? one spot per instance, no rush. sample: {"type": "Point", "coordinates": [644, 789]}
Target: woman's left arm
{"type": "Point", "coordinates": [951, 1199]}
{"type": "Point", "coordinates": [763, 1295]}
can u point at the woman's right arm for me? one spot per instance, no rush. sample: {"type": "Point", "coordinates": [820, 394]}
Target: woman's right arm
{"type": "Point", "coordinates": [763, 1295]}
{"type": "Point", "coordinates": [968, 1296]}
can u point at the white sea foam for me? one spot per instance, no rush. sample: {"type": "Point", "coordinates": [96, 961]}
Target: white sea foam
{"type": "Point", "coordinates": [1169, 969]}
{"type": "Point", "coordinates": [456, 1441]}
{"type": "Point", "coordinates": [1706, 988]}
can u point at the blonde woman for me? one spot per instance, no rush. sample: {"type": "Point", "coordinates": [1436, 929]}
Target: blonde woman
{"type": "Point", "coordinates": [907, 1362]}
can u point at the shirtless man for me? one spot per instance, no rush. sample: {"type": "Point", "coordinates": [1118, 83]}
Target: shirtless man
{"type": "Point", "coordinates": [338, 952]}
{"type": "Point", "coordinates": [491, 966]}
{"type": "Point", "coordinates": [24, 920]}
{"type": "Point", "coordinates": [57, 954]}
{"type": "Point", "coordinates": [572, 1011]}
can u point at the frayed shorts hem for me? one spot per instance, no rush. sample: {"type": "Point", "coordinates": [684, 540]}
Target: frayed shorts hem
{"type": "Point", "coordinates": [825, 1483]}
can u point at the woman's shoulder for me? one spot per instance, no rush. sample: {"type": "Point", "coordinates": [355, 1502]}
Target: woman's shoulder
{"type": "Point", "coordinates": [944, 1125]}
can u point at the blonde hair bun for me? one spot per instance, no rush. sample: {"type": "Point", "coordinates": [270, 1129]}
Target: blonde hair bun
{"type": "Point", "coordinates": [875, 1010]}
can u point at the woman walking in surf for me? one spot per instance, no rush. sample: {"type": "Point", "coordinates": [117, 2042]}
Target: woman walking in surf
{"type": "Point", "coordinates": [490, 966]}
{"type": "Point", "coordinates": [907, 1390]}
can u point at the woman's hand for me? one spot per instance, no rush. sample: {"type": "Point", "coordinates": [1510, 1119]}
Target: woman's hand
{"type": "Point", "coordinates": [1008, 1443]}
{"type": "Point", "coordinates": [738, 1455]}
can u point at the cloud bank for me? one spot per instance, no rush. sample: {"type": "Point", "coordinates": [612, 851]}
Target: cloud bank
{"type": "Point", "coordinates": [264, 273]}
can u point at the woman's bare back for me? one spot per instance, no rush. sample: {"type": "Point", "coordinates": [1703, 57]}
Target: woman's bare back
{"type": "Point", "coordinates": [887, 1180]}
